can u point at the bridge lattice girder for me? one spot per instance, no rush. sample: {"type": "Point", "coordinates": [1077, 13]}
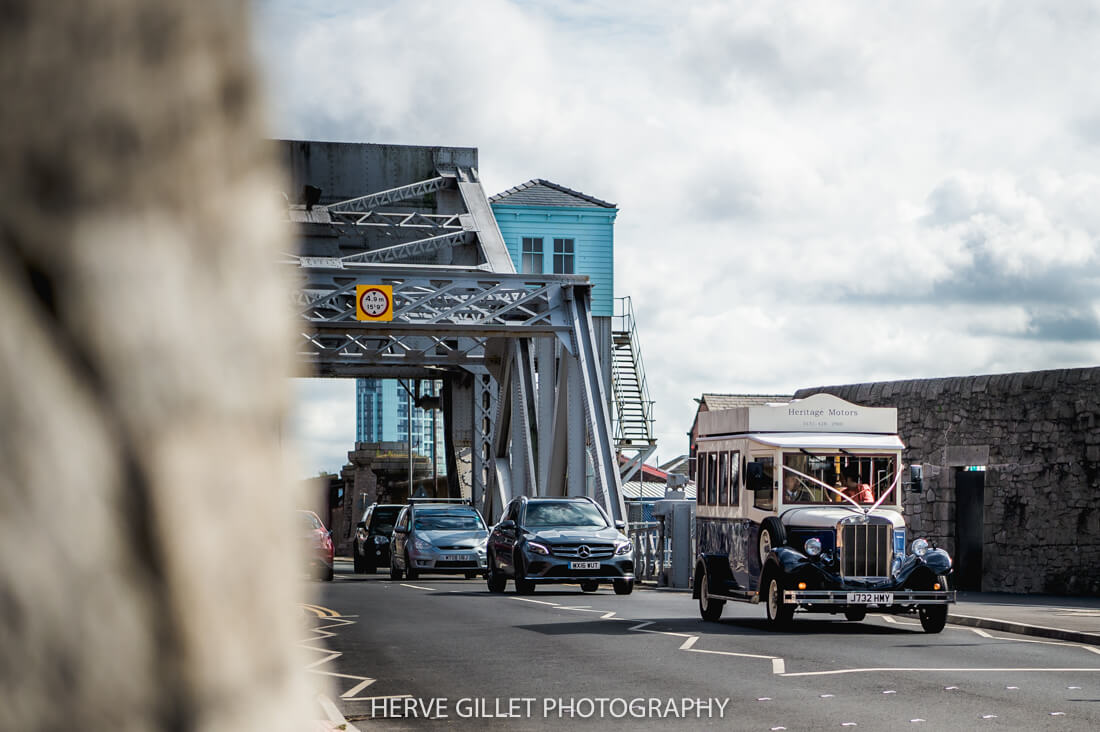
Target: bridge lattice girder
{"type": "Point", "coordinates": [527, 341]}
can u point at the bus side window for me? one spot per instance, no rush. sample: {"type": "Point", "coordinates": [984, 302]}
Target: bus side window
{"type": "Point", "coordinates": [701, 478]}
{"type": "Point", "coordinates": [735, 478]}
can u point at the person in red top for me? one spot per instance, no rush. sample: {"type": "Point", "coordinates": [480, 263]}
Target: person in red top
{"type": "Point", "coordinates": [858, 492]}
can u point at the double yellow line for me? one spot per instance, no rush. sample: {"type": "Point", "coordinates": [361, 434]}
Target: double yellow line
{"type": "Point", "coordinates": [321, 612]}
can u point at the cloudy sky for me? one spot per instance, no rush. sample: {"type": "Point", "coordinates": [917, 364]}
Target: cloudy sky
{"type": "Point", "coordinates": [810, 193]}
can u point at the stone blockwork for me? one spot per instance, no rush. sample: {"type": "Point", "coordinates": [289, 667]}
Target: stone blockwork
{"type": "Point", "coordinates": [1038, 436]}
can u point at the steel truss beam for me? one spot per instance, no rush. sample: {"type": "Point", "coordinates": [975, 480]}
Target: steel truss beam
{"type": "Point", "coordinates": [408, 250]}
{"type": "Point", "coordinates": [371, 201]}
{"type": "Point", "coordinates": [453, 302]}
{"type": "Point", "coordinates": [391, 220]}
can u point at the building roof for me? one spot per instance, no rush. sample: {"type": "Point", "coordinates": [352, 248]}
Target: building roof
{"type": "Point", "coordinates": [634, 490]}
{"type": "Point", "coordinates": [731, 401]}
{"type": "Point", "coordinates": [539, 192]}
{"type": "Point", "coordinates": [714, 402]}
{"type": "Point", "coordinates": [647, 472]}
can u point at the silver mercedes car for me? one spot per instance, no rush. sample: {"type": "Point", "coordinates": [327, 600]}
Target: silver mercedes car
{"type": "Point", "coordinates": [438, 537]}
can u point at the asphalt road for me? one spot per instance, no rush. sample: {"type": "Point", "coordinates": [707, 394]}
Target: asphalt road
{"type": "Point", "coordinates": [444, 653]}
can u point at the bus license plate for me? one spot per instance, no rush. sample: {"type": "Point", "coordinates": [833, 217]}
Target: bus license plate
{"type": "Point", "coordinates": [584, 565]}
{"type": "Point", "coordinates": [870, 598]}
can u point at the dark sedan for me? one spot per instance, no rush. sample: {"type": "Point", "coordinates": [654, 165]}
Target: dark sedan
{"type": "Point", "coordinates": [371, 547]}
{"type": "Point", "coordinates": [548, 540]}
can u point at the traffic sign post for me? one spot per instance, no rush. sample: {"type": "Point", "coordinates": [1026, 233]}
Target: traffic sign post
{"type": "Point", "coordinates": [374, 302]}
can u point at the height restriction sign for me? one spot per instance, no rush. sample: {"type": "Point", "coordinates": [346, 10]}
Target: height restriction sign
{"type": "Point", "coordinates": [374, 302]}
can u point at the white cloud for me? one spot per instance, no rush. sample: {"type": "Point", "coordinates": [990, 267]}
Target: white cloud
{"type": "Point", "coordinates": [809, 194]}
{"type": "Point", "coordinates": [322, 426]}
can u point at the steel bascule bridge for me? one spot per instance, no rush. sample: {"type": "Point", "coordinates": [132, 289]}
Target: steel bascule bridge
{"type": "Point", "coordinates": [524, 401]}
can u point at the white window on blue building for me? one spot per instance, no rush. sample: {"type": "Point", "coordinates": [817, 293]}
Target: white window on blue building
{"type": "Point", "coordinates": [563, 256]}
{"type": "Point", "coordinates": [532, 255]}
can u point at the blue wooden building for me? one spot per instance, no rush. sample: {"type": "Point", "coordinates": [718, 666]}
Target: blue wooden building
{"type": "Point", "coordinates": [553, 229]}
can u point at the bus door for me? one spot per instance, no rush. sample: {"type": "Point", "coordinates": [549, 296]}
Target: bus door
{"type": "Point", "coordinates": [760, 482]}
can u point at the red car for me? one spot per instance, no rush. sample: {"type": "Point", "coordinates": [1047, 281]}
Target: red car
{"type": "Point", "coordinates": [317, 543]}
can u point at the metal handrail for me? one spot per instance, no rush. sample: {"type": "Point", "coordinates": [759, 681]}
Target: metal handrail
{"type": "Point", "coordinates": [623, 317]}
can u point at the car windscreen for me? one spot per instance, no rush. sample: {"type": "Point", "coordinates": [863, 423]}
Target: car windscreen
{"type": "Point", "coordinates": [544, 515]}
{"type": "Point", "coordinates": [448, 522]}
{"type": "Point", "coordinates": [381, 522]}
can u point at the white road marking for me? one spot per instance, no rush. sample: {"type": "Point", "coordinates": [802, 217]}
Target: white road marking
{"type": "Point", "coordinates": [580, 609]}
{"type": "Point", "coordinates": [320, 632]}
{"type": "Point", "coordinates": [738, 655]}
{"type": "Point", "coordinates": [609, 616]}
{"type": "Point", "coordinates": [686, 645]}
{"type": "Point", "coordinates": [778, 666]}
{"type": "Point", "coordinates": [979, 631]}
{"type": "Point", "coordinates": [350, 693]}
{"type": "Point", "coordinates": [417, 587]}
{"type": "Point", "coordinates": [923, 669]}
{"type": "Point", "coordinates": [537, 602]}
{"type": "Point", "coordinates": [333, 713]}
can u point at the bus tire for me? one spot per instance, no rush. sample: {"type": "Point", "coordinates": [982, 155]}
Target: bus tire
{"type": "Point", "coordinates": [779, 612]}
{"type": "Point", "coordinates": [772, 534]}
{"type": "Point", "coordinates": [709, 608]}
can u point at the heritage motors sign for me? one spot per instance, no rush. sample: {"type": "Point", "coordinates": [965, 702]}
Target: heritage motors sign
{"type": "Point", "coordinates": [818, 413]}
{"type": "Point", "coordinates": [822, 413]}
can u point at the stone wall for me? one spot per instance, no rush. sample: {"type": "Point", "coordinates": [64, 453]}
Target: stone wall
{"type": "Point", "coordinates": [151, 565]}
{"type": "Point", "coordinates": [1038, 436]}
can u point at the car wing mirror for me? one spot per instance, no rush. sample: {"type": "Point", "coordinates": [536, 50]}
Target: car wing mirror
{"type": "Point", "coordinates": [916, 479]}
{"type": "Point", "coordinates": [400, 530]}
{"type": "Point", "coordinates": [620, 524]}
{"type": "Point", "coordinates": [507, 525]}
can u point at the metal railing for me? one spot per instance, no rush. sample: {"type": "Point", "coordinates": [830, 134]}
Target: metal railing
{"type": "Point", "coordinates": [650, 550]}
{"type": "Point", "coordinates": [622, 321]}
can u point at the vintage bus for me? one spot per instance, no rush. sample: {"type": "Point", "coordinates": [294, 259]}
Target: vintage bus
{"type": "Point", "coordinates": [799, 507]}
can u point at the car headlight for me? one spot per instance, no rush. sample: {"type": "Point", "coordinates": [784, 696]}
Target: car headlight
{"type": "Point", "coordinates": [483, 542]}
{"type": "Point", "coordinates": [538, 548]}
{"type": "Point", "coordinates": [919, 547]}
{"type": "Point", "coordinates": [422, 545]}
{"type": "Point", "coordinates": [623, 547]}
{"type": "Point", "coordinates": [381, 540]}
{"type": "Point", "coordinates": [813, 546]}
